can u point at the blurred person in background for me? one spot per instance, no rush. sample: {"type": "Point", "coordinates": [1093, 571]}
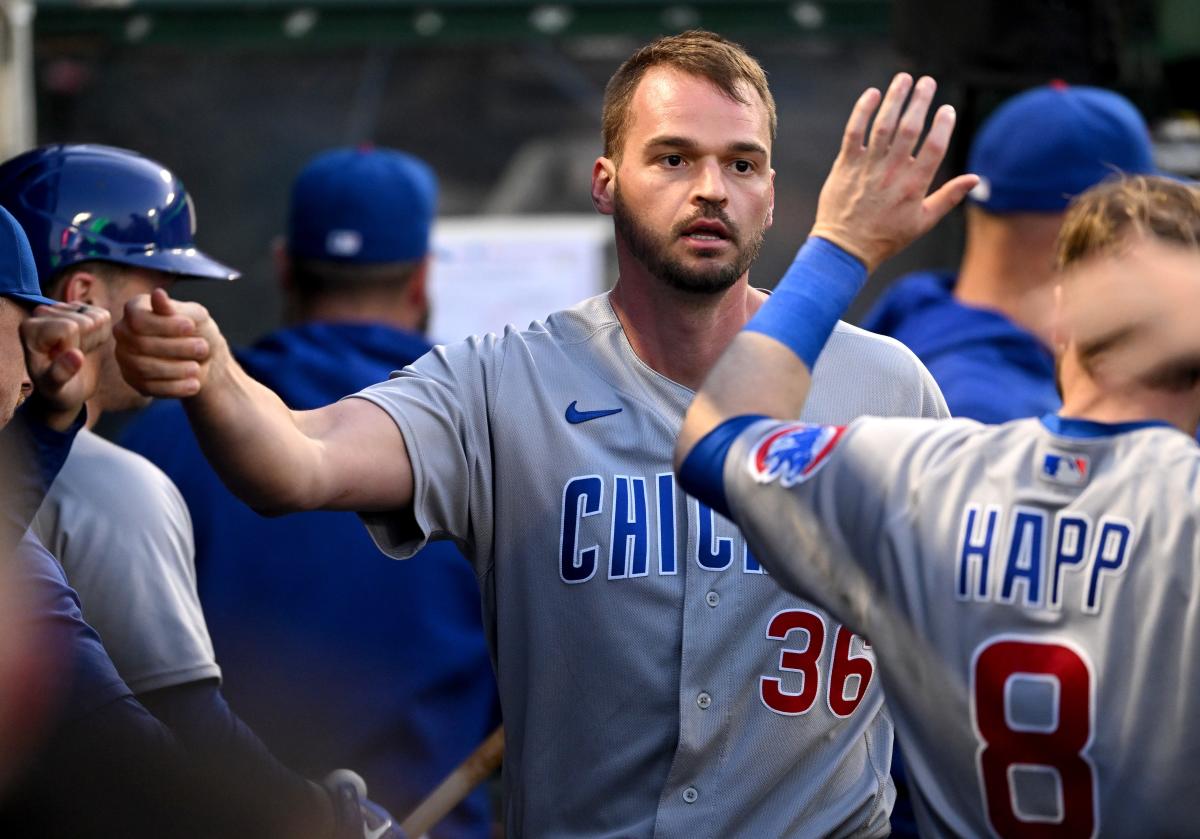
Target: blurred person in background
{"type": "Point", "coordinates": [107, 224]}
{"type": "Point", "coordinates": [98, 764]}
{"type": "Point", "coordinates": [375, 664]}
{"type": "Point", "coordinates": [980, 331]}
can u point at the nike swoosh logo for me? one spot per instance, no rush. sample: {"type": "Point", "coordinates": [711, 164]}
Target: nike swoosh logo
{"type": "Point", "coordinates": [575, 416]}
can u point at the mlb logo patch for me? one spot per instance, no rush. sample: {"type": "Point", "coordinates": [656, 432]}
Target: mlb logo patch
{"type": "Point", "coordinates": [1067, 469]}
{"type": "Point", "coordinates": [793, 454]}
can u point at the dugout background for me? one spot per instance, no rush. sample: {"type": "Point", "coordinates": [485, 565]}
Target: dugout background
{"type": "Point", "coordinates": [503, 98]}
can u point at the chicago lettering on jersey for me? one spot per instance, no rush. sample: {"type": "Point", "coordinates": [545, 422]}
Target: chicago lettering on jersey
{"type": "Point", "coordinates": [1024, 555]}
{"type": "Point", "coordinates": [638, 515]}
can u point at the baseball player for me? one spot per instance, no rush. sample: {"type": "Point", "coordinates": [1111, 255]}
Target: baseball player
{"type": "Point", "coordinates": [129, 552]}
{"type": "Point", "coordinates": [1030, 595]}
{"type": "Point", "coordinates": [321, 651]}
{"type": "Point", "coordinates": [637, 641]}
{"type": "Point", "coordinates": [99, 765]}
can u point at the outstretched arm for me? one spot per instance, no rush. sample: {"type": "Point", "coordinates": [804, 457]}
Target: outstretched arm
{"type": "Point", "coordinates": [874, 203]}
{"type": "Point", "coordinates": [347, 456]}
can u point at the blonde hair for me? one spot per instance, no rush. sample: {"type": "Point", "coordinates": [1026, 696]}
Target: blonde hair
{"type": "Point", "coordinates": [699, 53]}
{"type": "Point", "coordinates": [1103, 217]}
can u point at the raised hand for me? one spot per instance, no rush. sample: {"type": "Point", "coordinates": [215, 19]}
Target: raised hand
{"type": "Point", "coordinates": [166, 347]}
{"type": "Point", "coordinates": [56, 340]}
{"type": "Point", "coordinates": [876, 199]}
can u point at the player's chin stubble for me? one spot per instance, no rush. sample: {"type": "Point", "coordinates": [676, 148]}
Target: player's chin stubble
{"type": "Point", "coordinates": [653, 251]}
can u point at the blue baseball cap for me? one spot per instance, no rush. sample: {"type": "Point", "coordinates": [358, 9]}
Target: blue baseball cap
{"type": "Point", "coordinates": [1043, 147]}
{"type": "Point", "coordinates": [362, 206]}
{"type": "Point", "coordinates": [18, 274]}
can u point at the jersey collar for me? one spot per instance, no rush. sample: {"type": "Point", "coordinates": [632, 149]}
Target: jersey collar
{"type": "Point", "coordinates": [1088, 429]}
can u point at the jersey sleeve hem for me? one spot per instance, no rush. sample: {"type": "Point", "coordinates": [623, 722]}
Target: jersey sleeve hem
{"type": "Point", "coordinates": [178, 676]}
{"type": "Point", "coordinates": [393, 541]}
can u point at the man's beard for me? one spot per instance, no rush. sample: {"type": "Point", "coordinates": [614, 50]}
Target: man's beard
{"type": "Point", "coordinates": [653, 251]}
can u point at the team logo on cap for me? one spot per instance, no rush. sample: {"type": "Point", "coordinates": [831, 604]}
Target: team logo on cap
{"type": "Point", "coordinates": [1071, 470]}
{"type": "Point", "coordinates": [793, 454]}
{"type": "Point", "coordinates": [982, 191]}
{"type": "Point", "coordinates": [343, 242]}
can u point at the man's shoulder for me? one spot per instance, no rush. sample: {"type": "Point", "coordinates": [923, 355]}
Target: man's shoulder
{"type": "Point", "coordinates": [861, 373]}
{"type": "Point", "coordinates": [102, 474]}
{"type": "Point", "coordinates": [853, 347]}
{"type": "Point", "coordinates": [550, 335]}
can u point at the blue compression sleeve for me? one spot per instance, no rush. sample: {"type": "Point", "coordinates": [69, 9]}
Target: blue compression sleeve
{"type": "Point", "coordinates": [702, 474]}
{"type": "Point", "coordinates": [808, 301]}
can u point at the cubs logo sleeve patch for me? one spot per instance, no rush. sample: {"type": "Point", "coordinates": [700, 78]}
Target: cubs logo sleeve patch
{"type": "Point", "coordinates": [793, 453]}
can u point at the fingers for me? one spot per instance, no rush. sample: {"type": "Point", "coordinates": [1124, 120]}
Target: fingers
{"type": "Point", "coordinates": [161, 303]}
{"type": "Point", "coordinates": [947, 197]}
{"type": "Point", "coordinates": [937, 141]}
{"type": "Point", "coordinates": [855, 135]}
{"type": "Point", "coordinates": [61, 371]}
{"type": "Point", "coordinates": [912, 124]}
{"type": "Point", "coordinates": [889, 114]}
{"type": "Point", "coordinates": [159, 316]}
{"type": "Point", "coordinates": [159, 348]}
{"type": "Point", "coordinates": [67, 325]}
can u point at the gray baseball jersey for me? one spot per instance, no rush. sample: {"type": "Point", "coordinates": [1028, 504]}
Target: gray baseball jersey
{"type": "Point", "coordinates": [1031, 590]}
{"type": "Point", "coordinates": [645, 661]}
{"type": "Point", "coordinates": [122, 532]}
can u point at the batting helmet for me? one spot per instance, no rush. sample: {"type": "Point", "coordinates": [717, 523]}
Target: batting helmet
{"type": "Point", "coordinates": [89, 202]}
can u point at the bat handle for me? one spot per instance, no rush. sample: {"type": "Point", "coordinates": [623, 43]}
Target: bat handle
{"type": "Point", "coordinates": [473, 771]}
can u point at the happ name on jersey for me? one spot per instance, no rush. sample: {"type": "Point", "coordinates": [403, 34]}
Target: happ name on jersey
{"type": "Point", "coordinates": [1027, 563]}
{"type": "Point", "coordinates": [634, 547]}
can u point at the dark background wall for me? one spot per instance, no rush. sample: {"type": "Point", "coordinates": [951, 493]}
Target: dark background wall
{"type": "Point", "coordinates": [511, 121]}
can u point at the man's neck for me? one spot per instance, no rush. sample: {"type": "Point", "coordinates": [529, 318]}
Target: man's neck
{"type": "Point", "coordinates": [1007, 267]}
{"type": "Point", "coordinates": [338, 310]}
{"type": "Point", "coordinates": [95, 410]}
{"type": "Point", "coordinates": [1085, 398]}
{"type": "Point", "coordinates": [677, 333]}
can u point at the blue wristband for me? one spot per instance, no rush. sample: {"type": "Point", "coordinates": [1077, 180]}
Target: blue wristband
{"type": "Point", "coordinates": [702, 473]}
{"type": "Point", "coordinates": [808, 301]}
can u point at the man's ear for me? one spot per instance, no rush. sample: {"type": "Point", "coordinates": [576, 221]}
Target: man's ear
{"type": "Point", "coordinates": [604, 185]}
{"type": "Point", "coordinates": [283, 263]}
{"type": "Point", "coordinates": [771, 204]}
{"type": "Point", "coordinates": [1059, 327]}
{"type": "Point", "coordinates": [82, 287]}
{"type": "Point", "coordinates": [417, 289]}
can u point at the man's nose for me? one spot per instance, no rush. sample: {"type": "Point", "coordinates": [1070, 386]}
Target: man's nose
{"type": "Point", "coordinates": [709, 184]}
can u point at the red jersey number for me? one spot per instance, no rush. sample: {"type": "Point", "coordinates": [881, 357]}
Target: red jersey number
{"type": "Point", "coordinates": [1059, 747]}
{"type": "Point", "coordinates": [805, 661]}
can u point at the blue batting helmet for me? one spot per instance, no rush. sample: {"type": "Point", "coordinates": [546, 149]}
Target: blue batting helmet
{"type": "Point", "coordinates": [88, 202]}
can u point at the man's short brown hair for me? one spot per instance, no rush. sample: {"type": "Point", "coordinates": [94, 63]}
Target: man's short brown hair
{"type": "Point", "coordinates": [1104, 216]}
{"type": "Point", "coordinates": [699, 53]}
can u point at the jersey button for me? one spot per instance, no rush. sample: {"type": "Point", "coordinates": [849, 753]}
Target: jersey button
{"type": "Point", "coordinates": [712, 599]}
{"type": "Point", "coordinates": [690, 795]}
{"type": "Point", "coordinates": [703, 700]}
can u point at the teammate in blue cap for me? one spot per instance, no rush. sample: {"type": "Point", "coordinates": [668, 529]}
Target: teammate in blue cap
{"type": "Point", "coordinates": [100, 765]}
{"type": "Point", "coordinates": [977, 331]}
{"type": "Point", "coordinates": [108, 224]}
{"type": "Point", "coordinates": [342, 658]}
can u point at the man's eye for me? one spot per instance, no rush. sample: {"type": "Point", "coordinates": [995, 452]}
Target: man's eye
{"type": "Point", "coordinates": [673, 160]}
{"type": "Point", "coordinates": [743, 166]}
